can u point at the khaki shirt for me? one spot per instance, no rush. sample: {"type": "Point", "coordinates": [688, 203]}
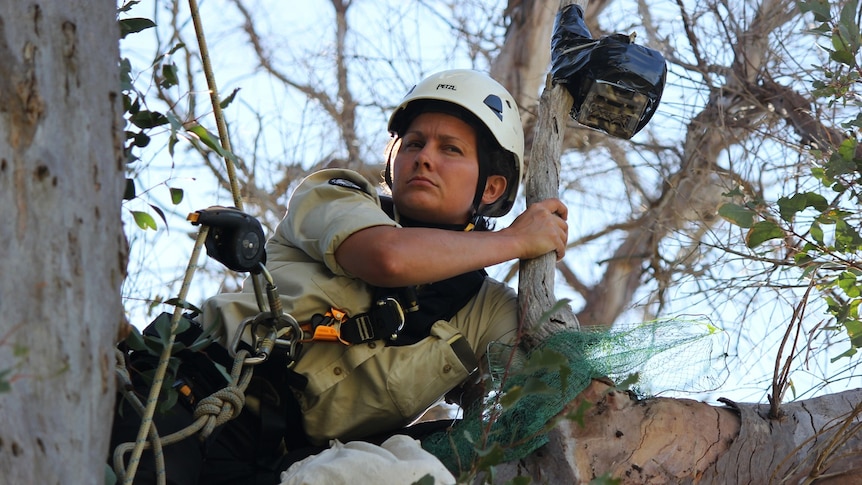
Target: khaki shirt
{"type": "Point", "coordinates": [369, 388]}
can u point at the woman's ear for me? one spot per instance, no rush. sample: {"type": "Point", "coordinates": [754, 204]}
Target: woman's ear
{"type": "Point", "coordinates": [495, 187]}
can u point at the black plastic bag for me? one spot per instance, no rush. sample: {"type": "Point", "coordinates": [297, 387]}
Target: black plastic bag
{"type": "Point", "coordinates": [616, 84]}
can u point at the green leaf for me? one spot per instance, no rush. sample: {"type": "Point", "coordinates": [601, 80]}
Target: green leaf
{"type": "Point", "coordinates": [202, 343]}
{"type": "Point", "coordinates": [169, 76]}
{"type": "Point", "coordinates": [820, 9]}
{"type": "Point", "coordinates": [174, 49]}
{"type": "Point", "coordinates": [735, 192]}
{"type": "Point", "coordinates": [162, 325]}
{"type": "Point", "coordinates": [160, 212]}
{"type": "Point", "coordinates": [134, 25]}
{"type": "Point", "coordinates": [491, 456]}
{"type": "Point", "coordinates": [129, 192]}
{"type": "Point", "coordinates": [228, 100]}
{"type": "Point", "coordinates": [737, 214]}
{"type": "Point", "coordinates": [846, 237]}
{"type": "Point", "coordinates": [144, 220]}
{"type": "Point", "coordinates": [841, 162]}
{"type": "Point", "coordinates": [788, 207]}
{"type": "Point", "coordinates": [854, 331]}
{"type": "Point", "coordinates": [125, 75]}
{"type": "Point", "coordinates": [211, 141]}
{"type": "Point", "coordinates": [511, 397]}
{"type": "Point", "coordinates": [207, 138]}
{"type": "Point", "coordinates": [578, 414]}
{"type": "Point", "coordinates": [176, 195]}
{"type": "Point", "coordinates": [545, 359]}
{"type": "Point", "coordinates": [629, 381]}
{"type": "Point", "coordinates": [148, 119]}
{"type": "Point", "coordinates": [128, 6]}
{"type": "Point", "coordinates": [176, 125]}
{"type": "Point", "coordinates": [536, 386]}
{"type": "Point", "coordinates": [141, 139]}
{"type": "Point", "coordinates": [135, 340]}
{"type": "Point", "coordinates": [5, 384]}
{"type": "Point", "coordinates": [847, 282]}
{"type": "Point", "coordinates": [847, 149]}
{"type": "Point", "coordinates": [848, 353]}
{"type": "Point", "coordinates": [848, 27]}
{"type": "Point", "coordinates": [606, 479]}
{"type": "Point", "coordinates": [761, 232]}
{"type": "Point", "coordinates": [134, 105]}
{"type": "Point", "coordinates": [110, 476]}
{"type": "Point", "coordinates": [426, 480]}
{"type": "Point", "coordinates": [183, 304]}
{"type": "Point", "coordinates": [817, 232]}
{"type": "Point", "coordinates": [556, 307]}
{"type": "Point", "coordinates": [170, 396]}
{"type": "Point", "coordinates": [182, 325]}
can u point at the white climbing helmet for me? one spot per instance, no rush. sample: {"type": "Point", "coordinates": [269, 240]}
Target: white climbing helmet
{"type": "Point", "coordinates": [488, 101]}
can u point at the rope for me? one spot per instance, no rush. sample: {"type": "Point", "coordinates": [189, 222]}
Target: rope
{"type": "Point", "coordinates": [211, 412]}
{"type": "Point", "coordinates": [158, 378]}
{"type": "Point", "coordinates": [224, 136]}
{"type": "Point", "coordinates": [128, 394]}
{"type": "Point", "coordinates": [216, 103]}
{"type": "Point", "coordinates": [225, 404]}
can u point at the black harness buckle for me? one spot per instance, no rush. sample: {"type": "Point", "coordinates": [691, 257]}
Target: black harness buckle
{"type": "Point", "coordinates": [384, 321]}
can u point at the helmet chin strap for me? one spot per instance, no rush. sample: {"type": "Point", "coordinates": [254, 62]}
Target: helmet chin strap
{"type": "Point", "coordinates": [484, 163]}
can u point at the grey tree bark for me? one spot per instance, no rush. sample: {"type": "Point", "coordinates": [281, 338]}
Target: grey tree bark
{"type": "Point", "coordinates": [64, 256]}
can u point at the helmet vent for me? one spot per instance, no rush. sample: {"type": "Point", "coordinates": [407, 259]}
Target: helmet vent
{"type": "Point", "coordinates": [496, 104]}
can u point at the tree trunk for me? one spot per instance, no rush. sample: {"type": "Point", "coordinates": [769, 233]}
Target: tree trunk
{"type": "Point", "coordinates": [666, 440]}
{"type": "Point", "coordinates": [64, 256]}
{"type": "Point", "coordinates": [542, 181]}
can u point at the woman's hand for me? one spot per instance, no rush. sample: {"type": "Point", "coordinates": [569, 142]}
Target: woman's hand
{"type": "Point", "coordinates": [540, 229]}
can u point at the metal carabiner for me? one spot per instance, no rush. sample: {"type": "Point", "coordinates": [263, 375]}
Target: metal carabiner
{"type": "Point", "coordinates": [266, 334]}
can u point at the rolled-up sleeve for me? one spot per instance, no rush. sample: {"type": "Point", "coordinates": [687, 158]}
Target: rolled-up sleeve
{"type": "Point", "coordinates": [325, 209]}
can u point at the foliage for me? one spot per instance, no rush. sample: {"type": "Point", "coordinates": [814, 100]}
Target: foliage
{"type": "Point", "coordinates": [533, 392]}
{"type": "Point", "coordinates": [820, 228]}
{"type": "Point", "coordinates": [155, 339]}
{"type": "Point", "coordinates": [140, 120]}
{"type": "Point", "coordinates": [144, 122]}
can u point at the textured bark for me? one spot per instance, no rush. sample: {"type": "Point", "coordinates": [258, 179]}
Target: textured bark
{"type": "Point", "coordinates": [521, 65]}
{"type": "Point", "coordinates": [664, 440]}
{"type": "Point", "coordinates": [536, 281]}
{"type": "Point", "coordinates": [63, 259]}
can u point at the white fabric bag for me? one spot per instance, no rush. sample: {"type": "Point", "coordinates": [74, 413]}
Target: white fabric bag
{"type": "Point", "coordinates": [400, 460]}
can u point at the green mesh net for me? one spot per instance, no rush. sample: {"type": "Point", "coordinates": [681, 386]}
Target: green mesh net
{"type": "Point", "coordinates": [673, 354]}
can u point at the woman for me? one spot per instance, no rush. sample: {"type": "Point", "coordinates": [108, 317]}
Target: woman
{"type": "Point", "coordinates": [401, 282]}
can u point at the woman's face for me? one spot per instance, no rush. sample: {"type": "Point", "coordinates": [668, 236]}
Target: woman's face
{"type": "Point", "coordinates": [436, 169]}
